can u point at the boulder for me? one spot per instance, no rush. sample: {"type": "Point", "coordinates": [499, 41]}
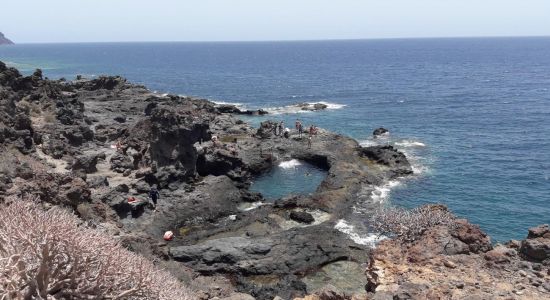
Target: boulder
{"type": "Point", "coordinates": [74, 136]}
{"type": "Point", "coordinates": [302, 217]}
{"type": "Point", "coordinates": [121, 162]}
{"type": "Point", "coordinates": [86, 162]}
{"type": "Point", "coordinates": [539, 231]}
{"type": "Point", "coordinates": [77, 191]}
{"type": "Point", "coordinates": [97, 181]}
{"type": "Point", "coordinates": [500, 254]}
{"type": "Point", "coordinates": [120, 119]}
{"type": "Point", "coordinates": [537, 245]}
{"type": "Point", "coordinates": [470, 234]}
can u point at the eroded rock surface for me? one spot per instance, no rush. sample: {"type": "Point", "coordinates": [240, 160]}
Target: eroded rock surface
{"type": "Point", "coordinates": [455, 263]}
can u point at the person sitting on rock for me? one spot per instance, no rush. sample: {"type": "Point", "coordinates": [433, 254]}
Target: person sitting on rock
{"type": "Point", "coordinates": [154, 195]}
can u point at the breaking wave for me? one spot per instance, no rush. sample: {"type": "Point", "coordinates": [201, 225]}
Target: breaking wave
{"type": "Point", "coordinates": [409, 144]}
{"type": "Point", "coordinates": [289, 164]}
{"type": "Point", "coordinates": [306, 107]}
{"type": "Point", "coordinates": [370, 239]}
{"type": "Point", "coordinates": [236, 104]}
{"type": "Point", "coordinates": [382, 193]}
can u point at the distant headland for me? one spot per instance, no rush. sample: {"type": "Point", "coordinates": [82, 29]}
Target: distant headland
{"type": "Point", "coordinates": [4, 40]}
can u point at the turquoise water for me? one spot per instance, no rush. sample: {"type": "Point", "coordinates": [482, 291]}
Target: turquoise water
{"type": "Point", "coordinates": [473, 114]}
{"type": "Point", "coordinates": [289, 177]}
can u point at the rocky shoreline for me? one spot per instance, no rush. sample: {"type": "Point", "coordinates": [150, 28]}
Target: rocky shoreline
{"type": "Point", "coordinates": [90, 144]}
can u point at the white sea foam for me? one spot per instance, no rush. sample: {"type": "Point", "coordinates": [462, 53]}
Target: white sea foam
{"type": "Point", "coordinates": [330, 105]}
{"type": "Point", "coordinates": [297, 108]}
{"type": "Point", "coordinates": [245, 206]}
{"type": "Point", "coordinates": [382, 193]}
{"type": "Point", "coordinates": [240, 106]}
{"type": "Point", "coordinates": [409, 144]}
{"type": "Point", "coordinates": [368, 143]}
{"type": "Point", "coordinates": [370, 239]}
{"type": "Point", "coordinates": [289, 164]}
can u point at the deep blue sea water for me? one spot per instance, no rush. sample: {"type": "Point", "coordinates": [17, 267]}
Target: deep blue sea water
{"type": "Point", "coordinates": [473, 114]}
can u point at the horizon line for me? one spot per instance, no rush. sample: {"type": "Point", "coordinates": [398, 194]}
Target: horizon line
{"type": "Point", "coordinates": [293, 40]}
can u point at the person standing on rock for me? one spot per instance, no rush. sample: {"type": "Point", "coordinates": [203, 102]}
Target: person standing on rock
{"type": "Point", "coordinates": [154, 195]}
{"type": "Point", "coordinates": [300, 129]}
{"type": "Point", "coordinates": [309, 142]}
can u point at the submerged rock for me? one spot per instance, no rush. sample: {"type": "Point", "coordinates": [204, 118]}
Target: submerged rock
{"type": "Point", "coordinates": [312, 106]}
{"type": "Point", "coordinates": [380, 131]}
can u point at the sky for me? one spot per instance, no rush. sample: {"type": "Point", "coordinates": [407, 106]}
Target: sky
{"type": "Point", "coordinates": [39, 21]}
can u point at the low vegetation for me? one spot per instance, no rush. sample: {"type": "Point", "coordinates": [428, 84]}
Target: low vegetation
{"type": "Point", "coordinates": [48, 254]}
{"type": "Point", "coordinates": [409, 224]}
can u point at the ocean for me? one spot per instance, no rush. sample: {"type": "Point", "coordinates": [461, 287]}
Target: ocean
{"type": "Point", "coordinates": [473, 114]}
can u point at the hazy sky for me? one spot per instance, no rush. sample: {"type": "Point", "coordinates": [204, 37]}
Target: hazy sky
{"type": "Point", "coordinates": [230, 20]}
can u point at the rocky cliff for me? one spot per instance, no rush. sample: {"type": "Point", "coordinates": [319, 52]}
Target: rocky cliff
{"type": "Point", "coordinates": [90, 145]}
{"type": "Point", "coordinates": [4, 40]}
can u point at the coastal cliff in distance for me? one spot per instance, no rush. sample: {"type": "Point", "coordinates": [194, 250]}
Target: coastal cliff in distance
{"type": "Point", "coordinates": [4, 40]}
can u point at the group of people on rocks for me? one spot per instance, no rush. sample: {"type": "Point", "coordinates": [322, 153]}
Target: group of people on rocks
{"type": "Point", "coordinates": [281, 130]}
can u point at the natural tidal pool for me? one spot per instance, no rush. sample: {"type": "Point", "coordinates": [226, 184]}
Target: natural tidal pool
{"type": "Point", "coordinates": [289, 177]}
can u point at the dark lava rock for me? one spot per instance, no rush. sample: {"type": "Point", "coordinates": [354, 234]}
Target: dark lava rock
{"type": "Point", "coordinates": [389, 156]}
{"type": "Point", "coordinates": [87, 163]}
{"type": "Point", "coordinates": [121, 162]}
{"type": "Point", "coordinates": [217, 162]}
{"type": "Point", "coordinates": [173, 139]}
{"type": "Point", "coordinates": [97, 181]}
{"type": "Point", "coordinates": [74, 137]}
{"type": "Point", "coordinates": [259, 112]}
{"type": "Point", "coordinates": [301, 217]}
{"type": "Point", "coordinates": [149, 108]}
{"type": "Point", "coordinates": [267, 129]}
{"type": "Point", "coordinates": [312, 107]}
{"type": "Point", "coordinates": [228, 109]}
{"type": "Point", "coordinates": [120, 119]}
{"type": "Point", "coordinates": [380, 131]}
{"type": "Point", "coordinates": [287, 252]}
{"type": "Point", "coordinates": [104, 82]}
